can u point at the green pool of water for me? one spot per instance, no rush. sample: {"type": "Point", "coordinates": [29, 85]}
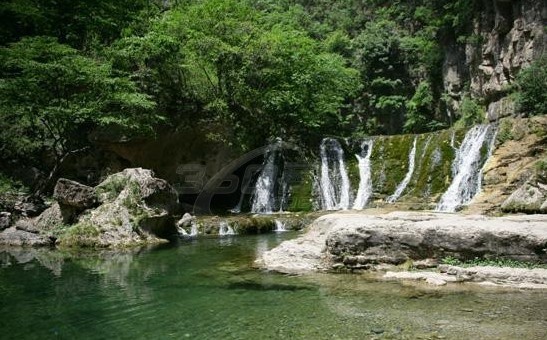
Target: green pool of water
{"type": "Point", "coordinates": [207, 289]}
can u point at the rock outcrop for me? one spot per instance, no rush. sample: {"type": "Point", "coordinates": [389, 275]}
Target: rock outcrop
{"type": "Point", "coordinates": [135, 208]}
{"type": "Point", "coordinates": [506, 37]}
{"type": "Point", "coordinates": [359, 241]}
{"type": "Point", "coordinates": [5, 220]}
{"type": "Point", "coordinates": [530, 198]}
{"type": "Point", "coordinates": [517, 160]}
{"type": "Point", "coordinates": [73, 194]}
{"type": "Point", "coordinates": [128, 208]}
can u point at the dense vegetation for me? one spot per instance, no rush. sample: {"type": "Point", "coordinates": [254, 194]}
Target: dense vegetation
{"type": "Point", "coordinates": [241, 70]}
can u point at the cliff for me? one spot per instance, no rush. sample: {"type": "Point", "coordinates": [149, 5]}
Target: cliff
{"type": "Point", "coordinates": [506, 36]}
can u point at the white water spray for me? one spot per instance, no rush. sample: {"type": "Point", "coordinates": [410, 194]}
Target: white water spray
{"type": "Point", "coordinates": [365, 183]}
{"type": "Point", "coordinates": [263, 197]}
{"type": "Point", "coordinates": [334, 180]}
{"type": "Point", "coordinates": [466, 169]}
{"type": "Point", "coordinates": [225, 229]}
{"type": "Point", "coordinates": [279, 226]}
{"type": "Point", "coordinates": [194, 231]}
{"type": "Point", "coordinates": [402, 186]}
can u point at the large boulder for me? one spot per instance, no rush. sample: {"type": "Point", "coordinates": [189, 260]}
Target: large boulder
{"type": "Point", "coordinates": [359, 241]}
{"type": "Point", "coordinates": [398, 237]}
{"type": "Point", "coordinates": [73, 194]}
{"type": "Point", "coordinates": [529, 198]}
{"type": "Point", "coordinates": [135, 208]}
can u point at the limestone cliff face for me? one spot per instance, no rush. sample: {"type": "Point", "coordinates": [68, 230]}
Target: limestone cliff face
{"type": "Point", "coordinates": [506, 37]}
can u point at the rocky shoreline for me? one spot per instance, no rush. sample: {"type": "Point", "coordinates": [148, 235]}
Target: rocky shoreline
{"type": "Point", "coordinates": [358, 241]}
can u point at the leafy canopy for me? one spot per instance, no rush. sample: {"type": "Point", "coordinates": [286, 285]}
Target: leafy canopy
{"type": "Point", "coordinates": [50, 94]}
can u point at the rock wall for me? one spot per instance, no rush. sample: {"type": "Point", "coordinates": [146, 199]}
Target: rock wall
{"type": "Point", "coordinates": [506, 37]}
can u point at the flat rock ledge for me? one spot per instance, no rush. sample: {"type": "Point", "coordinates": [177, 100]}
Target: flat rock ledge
{"type": "Point", "coordinates": [356, 241]}
{"type": "Point", "coordinates": [494, 276]}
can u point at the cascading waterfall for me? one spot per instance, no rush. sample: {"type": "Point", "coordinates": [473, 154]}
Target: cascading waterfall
{"type": "Point", "coordinates": [466, 167]}
{"type": "Point", "coordinates": [279, 226]}
{"type": "Point", "coordinates": [194, 231]}
{"type": "Point", "coordinates": [402, 186]}
{"type": "Point", "coordinates": [334, 180]}
{"type": "Point", "coordinates": [265, 188]}
{"type": "Point", "coordinates": [225, 229]}
{"type": "Point", "coordinates": [365, 183]}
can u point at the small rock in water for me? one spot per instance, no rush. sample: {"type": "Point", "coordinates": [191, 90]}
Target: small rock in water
{"type": "Point", "coordinates": [377, 330]}
{"type": "Point", "coordinates": [435, 281]}
{"type": "Point", "coordinates": [186, 220]}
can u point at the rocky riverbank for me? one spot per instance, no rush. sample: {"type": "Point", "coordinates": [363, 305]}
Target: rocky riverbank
{"type": "Point", "coordinates": [128, 208]}
{"type": "Point", "coordinates": [358, 241]}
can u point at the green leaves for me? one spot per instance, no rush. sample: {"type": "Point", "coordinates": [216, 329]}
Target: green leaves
{"type": "Point", "coordinates": [49, 91]}
{"type": "Point", "coordinates": [531, 88]}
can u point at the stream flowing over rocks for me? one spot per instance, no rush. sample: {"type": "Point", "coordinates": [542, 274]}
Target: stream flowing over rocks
{"type": "Point", "coordinates": [354, 241]}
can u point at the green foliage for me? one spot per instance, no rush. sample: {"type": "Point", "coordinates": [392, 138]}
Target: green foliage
{"type": "Point", "coordinates": [80, 235]}
{"type": "Point", "coordinates": [505, 132]}
{"type": "Point", "coordinates": [259, 79]}
{"type": "Point", "coordinates": [471, 113]}
{"type": "Point", "coordinates": [531, 84]}
{"type": "Point", "coordinates": [420, 109]}
{"type": "Point", "coordinates": [9, 185]}
{"type": "Point", "coordinates": [112, 188]}
{"type": "Point", "coordinates": [50, 94]}
{"type": "Point", "coordinates": [81, 24]}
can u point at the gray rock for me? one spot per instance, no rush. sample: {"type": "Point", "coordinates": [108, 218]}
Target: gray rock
{"type": "Point", "coordinates": [186, 221]}
{"type": "Point", "coordinates": [397, 237]}
{"type": "Point", "coordinates": [5, 220]}
{"type": "Point", "coordinates": [30, 206]}
{"type": "Point", "coordinates": [504, 107]}
{"type": "Point", "coordinates": [16, 237]}
{"type": "Point", "coordinates": [359, 240]}
{"type": "Point", "coordinates": [135, 208]}
{"type": "Point", "coordinates": [529, 198]}
{"type": "Point", "coordinates": [73, 194]}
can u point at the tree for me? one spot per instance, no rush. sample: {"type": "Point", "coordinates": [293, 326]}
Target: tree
{"type": "Point", "coordinates": [51, 96]}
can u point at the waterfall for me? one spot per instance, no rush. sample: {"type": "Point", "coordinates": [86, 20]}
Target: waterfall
{"type": "Point", "coordinates": [279, 226]}
{"type": "Point", "coordinates": [365, 182]}
{"type": "Point", "coordinates": [265, 187]}
{"type": "Point", "coordinates": [334, 180]}
{"type": "Point", "coordinates": [466, 168]}
{"type": "Point", "coordinates": [194, 231]}
{"type": "Point", "coordinates": [263, 196]}
{"type": "Point", "coordinates": [402, 186]}
{"type": "Point", "coordinates": [225, 229]}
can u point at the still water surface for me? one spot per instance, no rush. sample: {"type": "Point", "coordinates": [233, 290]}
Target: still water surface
{"type": "Point", "coordinates": [207, 289]}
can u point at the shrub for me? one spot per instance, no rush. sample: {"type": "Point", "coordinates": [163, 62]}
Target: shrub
{"type": "Point", "coordinates": [531, 84]}
{"type": "Point", "coordinates": [471, 112]}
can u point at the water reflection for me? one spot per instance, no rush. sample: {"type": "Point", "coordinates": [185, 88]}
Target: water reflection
{"type": "Point", "coordinates": [207, 288]}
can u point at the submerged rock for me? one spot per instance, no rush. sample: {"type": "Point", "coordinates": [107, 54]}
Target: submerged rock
{"type": "Point", "coordinates": [357, 241]}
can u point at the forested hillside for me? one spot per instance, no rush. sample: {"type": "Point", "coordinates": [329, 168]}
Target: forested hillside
{"type": "Point", "coordinates": [241, 72]}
